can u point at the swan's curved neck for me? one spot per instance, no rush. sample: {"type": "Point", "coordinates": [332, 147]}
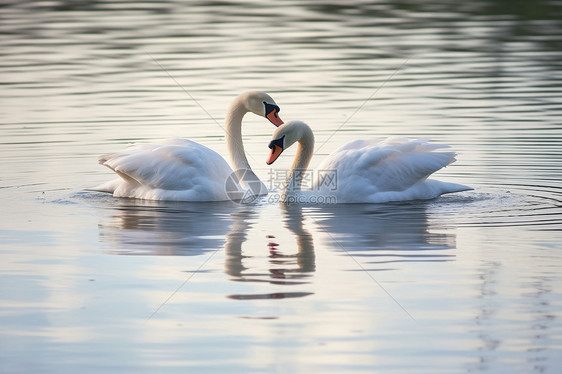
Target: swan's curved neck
{"type": "Point", "coordinates": [233, 131]}
{"type": "Point", "coordinates": [304, 154]}
{"type": "Point", "coordinates": [248, 179]}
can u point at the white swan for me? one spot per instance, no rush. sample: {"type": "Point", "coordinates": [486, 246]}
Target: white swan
{"type": "Point", "coordinates": [181, 169]}
{"type": "Point", "coordinates": [364, 171]}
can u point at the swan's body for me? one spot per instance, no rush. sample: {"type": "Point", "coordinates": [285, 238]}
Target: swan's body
{"type": "Point", "coordinates": [180, 169]}
{"type": "Point", "coordinates": [170, 170]}
{"type": "Point", "coordinates": [366, 171]}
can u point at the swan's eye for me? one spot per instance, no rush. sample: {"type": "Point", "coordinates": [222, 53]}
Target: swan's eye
{"type": "Point", "coordinates": [271, 114]}
{"type": "Point", "coordinates": [276, 147]}
{"type": "Point", "coordinates": [277, 143]}
{"type": "Point", "coordinates": [271, 109]}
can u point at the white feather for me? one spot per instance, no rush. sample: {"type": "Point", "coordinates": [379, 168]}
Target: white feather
{"type": "Point", "coordinates": [180, 169]}
{"type": "Point", "coordinates": [373, 170]}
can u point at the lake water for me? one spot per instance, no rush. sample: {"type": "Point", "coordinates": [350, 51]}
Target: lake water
{"type": "Point", "coordinates": [469, 282]}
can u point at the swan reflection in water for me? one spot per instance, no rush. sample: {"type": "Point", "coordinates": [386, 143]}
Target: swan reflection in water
{"type": "Point", "coordinates": [144, 227]}
{"type": "Point", "coordinates": [385, 233]}
{"type": "Point", "coordinates": [287, 265]}
{"type": "Point", "coordinates": [379, 235]}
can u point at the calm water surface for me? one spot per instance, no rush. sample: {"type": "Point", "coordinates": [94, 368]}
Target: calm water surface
{"type": "Point", "coordinates": [469, 282]}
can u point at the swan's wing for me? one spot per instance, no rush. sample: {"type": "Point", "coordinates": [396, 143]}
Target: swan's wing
{"type": "Point", "coordinates": [176, 167]}
{"type": "Point", "coordinates": [366, 167]}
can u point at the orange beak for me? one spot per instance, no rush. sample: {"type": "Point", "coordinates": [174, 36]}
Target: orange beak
{"type": "Point", "coordinates": [275, 152]}
{"type": "Point", "coordinates": [274, 118]}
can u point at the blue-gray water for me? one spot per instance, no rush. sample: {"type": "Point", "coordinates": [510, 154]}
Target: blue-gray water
{"type": "Point", "coordinates": [469, 282]}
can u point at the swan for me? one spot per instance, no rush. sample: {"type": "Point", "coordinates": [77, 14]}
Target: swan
{"type": "Point", "coordinates": [363, 171]}
{"type": "Point", "coordinates": [183, 170]}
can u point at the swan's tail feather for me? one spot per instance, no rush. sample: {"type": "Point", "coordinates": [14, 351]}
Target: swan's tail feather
{"type": "Point", "coordinates": [126, 176]}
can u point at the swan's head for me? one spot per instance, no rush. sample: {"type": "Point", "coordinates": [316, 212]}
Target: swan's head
{"type": "Point", "coordinates": [287, 135]}
{"type": "Point", "coordinates": [263, 105]}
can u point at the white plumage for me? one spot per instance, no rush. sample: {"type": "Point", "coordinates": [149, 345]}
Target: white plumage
{"type": "Point", "coordinates": [393, 169]}
{"type": "Point", "coordinates": [367, 171]}
{"type": "Point", "coordinates": [177, 169]}
{"type": "Point", "coordinates": [180, 169]}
